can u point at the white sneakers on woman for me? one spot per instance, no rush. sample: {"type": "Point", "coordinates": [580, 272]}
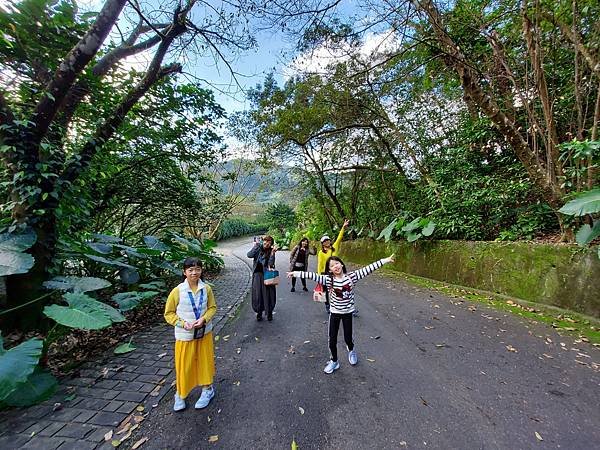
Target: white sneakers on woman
{"type": "Point", "coordinates": [205, 397]}
{"type": "Point", "coordinates": [331, 366]}
{"type": "Point", "coordinates": [203, 401]}
{"type": "Point", "coordinates": [352, 357]}
{"type": "Point", "coordinates": [179, 403]}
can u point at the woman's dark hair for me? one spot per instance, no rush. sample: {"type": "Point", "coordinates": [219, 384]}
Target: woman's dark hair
{"type": "Point", "coordinates": [302, 240]}
{"type": "Point", "coordinates": [192, 261]}
{"type": "Point", "coordinates": [328, 272]}
{"type": "Point", "coordinates": [334, 258]}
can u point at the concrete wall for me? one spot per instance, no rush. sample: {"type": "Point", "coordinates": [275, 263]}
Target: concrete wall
{"type": "Point", "coordinates": [566, 276]}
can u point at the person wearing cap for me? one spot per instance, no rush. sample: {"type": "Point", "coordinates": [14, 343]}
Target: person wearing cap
{"type": "Point", "coordinates": [328, 250]}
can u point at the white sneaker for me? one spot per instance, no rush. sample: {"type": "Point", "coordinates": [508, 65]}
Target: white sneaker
{"type": "Point", "coordinates": [352, 357]}
{"type": "Point", "coordinates": [205, 398]}
{"type": "Point", "coordinates": [179, 403]}
{"type": "Point", "coordinates": [331, 366]}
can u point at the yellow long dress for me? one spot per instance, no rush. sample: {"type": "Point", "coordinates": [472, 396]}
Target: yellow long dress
{"type": "Point", "coordinates": [195, 359]}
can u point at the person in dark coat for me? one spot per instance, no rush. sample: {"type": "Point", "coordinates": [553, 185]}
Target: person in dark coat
{"type": "Point", "coordinates": [299, 260]}
{"type": "Point", "coordinates": [263, 297]}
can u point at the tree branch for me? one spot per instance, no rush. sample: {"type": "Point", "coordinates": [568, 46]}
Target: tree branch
{"type": "Point", "coordinates": [108, 128]}
{"type": "Point", "coordinates": [72, 65]}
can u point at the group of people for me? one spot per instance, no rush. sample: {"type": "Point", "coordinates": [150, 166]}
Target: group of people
{"type": "Point", "coordinates": [191, 306]}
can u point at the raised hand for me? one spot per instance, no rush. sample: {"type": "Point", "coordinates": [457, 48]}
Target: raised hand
{"type": "Point", "coordinates": [346, 223]}
{"type": "Point", "coordinates": [392, 257]}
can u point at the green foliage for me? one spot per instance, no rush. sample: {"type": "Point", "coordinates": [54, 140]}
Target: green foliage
{"type": "Point", "coordinates": [12, 258]}
{"type": "Point", "coordinates": [132, 299]}
{"type": "Point", "coordinates": [583, 204]}
{"type": "Point", "coordinates": [77, 284]}
{"type": "Point", "coordinates": [38, 387]}
{"type": "Point", "coordinates": [83, 312]}
{"type": "Point", "coordinates": [280, 216]}
{"type": "Point", "coordinates": [238, 227]}
{"type": "Point", "coordinates": [17, 364]}
{"type": "Point", "coordinates": [411, 231]}
{"type": "Point", "coordinates": [124, 348]}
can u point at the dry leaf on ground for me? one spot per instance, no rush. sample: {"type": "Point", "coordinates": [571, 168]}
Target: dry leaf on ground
{"type": "Point", "coordinates": [139, 443]}
{"type": "Point", "coordinates": [213, 438]}
{"type": "Point", "coordinates": [537, 435]}
{"type": "Point", "coordinates": [301, 409]}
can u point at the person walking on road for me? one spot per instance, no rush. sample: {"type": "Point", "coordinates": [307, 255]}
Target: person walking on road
{"type": "Point", "coordinates": [299, 260]}
{"type": "Point", "coordinates": [327, 250]}
{"type": "Point", "coordinates": [190, 307]}
{"type": "Point", "coordinates": [340, 285]}
{"type": "Point", "coordinates": [263, 297]}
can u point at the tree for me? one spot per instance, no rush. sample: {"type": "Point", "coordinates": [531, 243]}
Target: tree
{"type": "Point", "coordinates": [47, 143]}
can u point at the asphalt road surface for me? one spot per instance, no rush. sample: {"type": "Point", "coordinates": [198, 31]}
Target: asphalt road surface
{"type": "Point", "coordinates": [434, 373]}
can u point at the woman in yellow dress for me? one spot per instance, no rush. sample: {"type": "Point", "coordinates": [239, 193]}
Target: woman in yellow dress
{"type": "Point", "coordinates": [190, 307]}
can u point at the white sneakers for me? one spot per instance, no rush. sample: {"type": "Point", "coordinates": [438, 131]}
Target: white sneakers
{"type": "Point", "coordinates": [205, 398]}
{"type": "Point", "coordinates": [334, 365]}
{"type": "Point", "coordinates": [203, 401]}
{"type": "Point", "coordinates": [352, 357]}
{"type": "Point", "coordinates": [331, 366]}
{"type": "Point", "coordinates": [179, 403]}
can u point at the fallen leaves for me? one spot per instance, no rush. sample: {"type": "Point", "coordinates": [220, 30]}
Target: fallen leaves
{"type": "Point", "coordinates": [538, 436]}
{"type": "Point", "coordinates": [510, 348]}
{"type": "Point", "coordinates": [301, 409]}
{"type": "Point", "coordinates": [213, 438]}
{"type": "Point", "coordinates": [370, 360]}
{"type": "Point", "coordinates": [139, 443]}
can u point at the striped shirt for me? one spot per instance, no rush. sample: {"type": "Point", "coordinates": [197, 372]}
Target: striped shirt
{"type": "Point", "coordinates": [341, 290]}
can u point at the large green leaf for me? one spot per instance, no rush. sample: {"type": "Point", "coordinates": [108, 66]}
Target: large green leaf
{"type": "Point", "coordinates": [83, 312]}
{"type": "Point", "coordinates": [155, 243]}
{"type": "Point", "coordinates": [124, 348]}
{"type": "Point", "coordinates": [428, 229]}
{"type": "Point", "coordinates": [100, 247]}
{"type": "Point", "coordinates": [129, 300]}
{"type": "Point", "coordinates": [39, 386]}
{"type": "Point", "coordinates": [17, 242]}
{"type": "Point", "coordinates": [107, 239]}
{"type": "Point", "coordinates": [17, 364]}
{"type": "Point", "coordinates": [156, 284]}
{"type": "Point", "coordinates": [412, 237]}
{"type": "Point", "coordinates": [587, 234]}
{"type": "Point", "coordinates": [12, 262]}
{"type": "Point", "coordinates": [387, 231]}
{"type": "Point", "coordinates": [129, 276]}
{"type": "Point", "coordinates": [108, 262]}
{"type": "Point", "coordinates": [77, 284]}
{"type": "Point", "coordinates": [585, 203]}
{"type": "Point", "coordinates": [412, 225]}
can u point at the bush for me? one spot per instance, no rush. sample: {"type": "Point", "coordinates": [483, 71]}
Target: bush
{"type": "Point", "coordinates": [238, 227]}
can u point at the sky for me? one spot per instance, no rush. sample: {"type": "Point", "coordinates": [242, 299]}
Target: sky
{"type": "Point", "coordinates": [274, 53]}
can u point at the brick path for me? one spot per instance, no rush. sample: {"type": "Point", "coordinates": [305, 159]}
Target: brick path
{"type": "Point", "coordinates": [110, 389]}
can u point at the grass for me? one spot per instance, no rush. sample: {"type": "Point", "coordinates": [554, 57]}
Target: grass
{"type": "Point", "coordinates": [579, 326]}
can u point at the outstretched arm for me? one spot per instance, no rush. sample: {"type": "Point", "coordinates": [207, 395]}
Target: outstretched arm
{"type": "Point", "coordinates": [367, 270]}
{"type": "Point", "coordinates": [312, 275]}
{"type": "Point", "coordinates": [253, 251]}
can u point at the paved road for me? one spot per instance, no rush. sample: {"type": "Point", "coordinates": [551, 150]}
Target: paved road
{"type": "Point", "coordinates": [434, 373]}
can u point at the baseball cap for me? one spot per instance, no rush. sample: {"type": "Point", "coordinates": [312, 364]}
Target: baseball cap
{"type": "Point", "coordinates": [325, 238]}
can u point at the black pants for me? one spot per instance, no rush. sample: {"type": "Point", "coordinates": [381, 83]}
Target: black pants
{"type": "Point", "coordinates": [303, 280]}
{"type": "Point", "coordinates": [334, 326]}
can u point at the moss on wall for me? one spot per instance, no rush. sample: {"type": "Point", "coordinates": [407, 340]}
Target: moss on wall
{"type": "Point", "coordinates": [559, 275]}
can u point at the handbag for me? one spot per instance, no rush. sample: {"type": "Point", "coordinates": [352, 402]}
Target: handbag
{"type": "Point", "coordinates": [199, 332]}
{"type": "Point", "coordinates": [271, 277]}
{"type": "Point", "coordinates": [318, 294]}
